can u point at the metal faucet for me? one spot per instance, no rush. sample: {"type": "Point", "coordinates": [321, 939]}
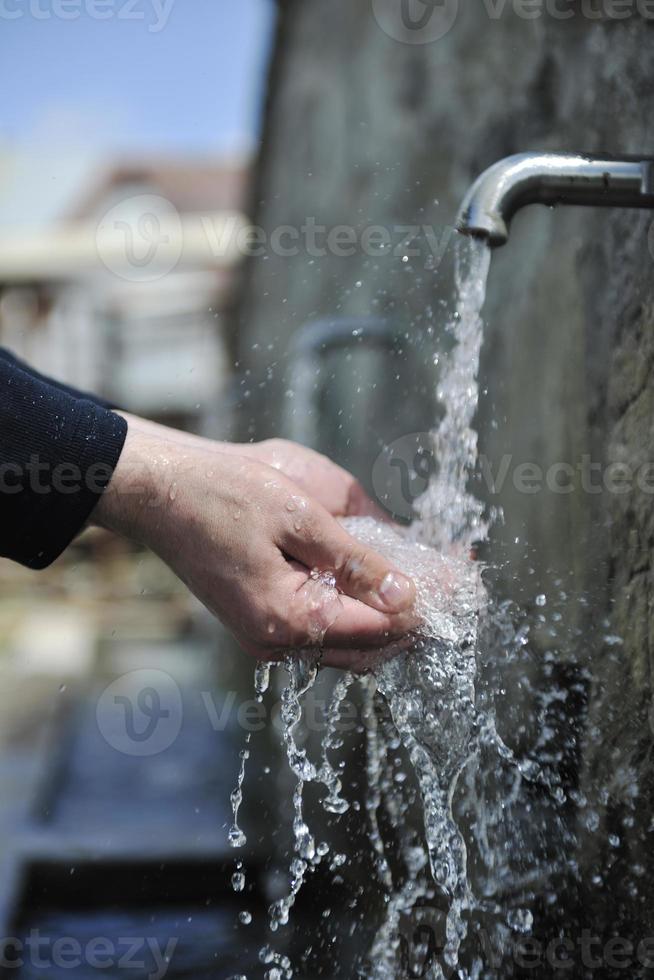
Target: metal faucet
{"type": "Point", "coordinates": [552, 178]}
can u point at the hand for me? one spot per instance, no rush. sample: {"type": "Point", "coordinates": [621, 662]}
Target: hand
{"type": "Point", "coordinates": [245, 540]}
{"type": "Point", "coordinates": [329, 484]}
{"type": "Point", "coordinates": [332, 486]}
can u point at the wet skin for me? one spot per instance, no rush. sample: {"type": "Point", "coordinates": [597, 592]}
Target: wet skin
{"type": "Point", "coordinates": [253, 532]}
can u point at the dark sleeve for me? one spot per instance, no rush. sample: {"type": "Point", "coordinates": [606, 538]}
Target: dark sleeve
{"type": "Point", "coordinates": [57, 455]}
{"type": "Point", "coordinates": [6, 355]}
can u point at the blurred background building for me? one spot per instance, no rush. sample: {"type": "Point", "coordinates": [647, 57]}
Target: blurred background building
{"type": "Point", "coordinates": [80, 299]}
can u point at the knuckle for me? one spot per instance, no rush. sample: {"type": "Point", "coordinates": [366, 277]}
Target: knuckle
{"type": "Point", "coordinates": [309, 526]}
{"type": "Point", "coordinates": [269, 628]}
{"type": "Point", "coordinates": [352, 569]}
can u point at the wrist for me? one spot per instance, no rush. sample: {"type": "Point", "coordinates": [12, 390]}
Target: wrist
{"type": "Point", "coordinates": [142, 480]}
{"type": "Point", "coordinates": [182, 439]}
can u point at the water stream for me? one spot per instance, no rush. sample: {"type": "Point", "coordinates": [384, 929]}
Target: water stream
{"type": "Point", "coordinates": [424, 700]}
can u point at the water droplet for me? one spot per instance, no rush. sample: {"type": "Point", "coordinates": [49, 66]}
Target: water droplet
{"type": "Point", "coordinates": [520, 920]}
{"type": "Point", "coordinates": [236, 837]}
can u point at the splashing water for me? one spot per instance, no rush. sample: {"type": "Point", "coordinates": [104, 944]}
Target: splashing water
{"type": "Point", "coordinates": [423, 698]}
{"type": "Point", "coordinates": [236, 836]}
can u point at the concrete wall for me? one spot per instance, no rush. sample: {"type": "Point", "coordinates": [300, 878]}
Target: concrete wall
{"type": "Point", "coordinates": [364, 129]}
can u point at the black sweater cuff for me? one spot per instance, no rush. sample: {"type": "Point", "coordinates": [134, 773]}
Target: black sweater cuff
{"type": "Point", "coordinates": [57, 456]}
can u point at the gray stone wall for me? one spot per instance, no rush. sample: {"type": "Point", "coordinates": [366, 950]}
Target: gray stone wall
{"type": "Point", "coordinates": [363, 129]}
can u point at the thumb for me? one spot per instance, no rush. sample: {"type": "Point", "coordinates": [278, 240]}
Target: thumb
{"type": "Point", "coordinates": [319, 541]}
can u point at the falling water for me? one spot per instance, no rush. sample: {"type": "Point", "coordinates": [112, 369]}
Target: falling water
{"type": "Point", "coordinates": [449, 515]}
{"type": "Point", "coordinates": [423, 698]}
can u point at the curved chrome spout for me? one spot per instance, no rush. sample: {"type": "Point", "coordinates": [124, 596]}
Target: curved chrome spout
{"type": "Point", "coordinates": [552, 178]}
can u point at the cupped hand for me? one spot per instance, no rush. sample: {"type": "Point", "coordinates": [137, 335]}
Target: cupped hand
{"type": "Point", "coordinates": [263, 555]}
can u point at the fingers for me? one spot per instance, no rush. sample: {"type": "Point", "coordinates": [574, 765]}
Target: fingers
{"type": "Point", "coordinates": [302, 611]}
{"type": "Point", "coordinates": [361, 627]}
{"type": "Point", "coordinates": [317, 540]}
{"type": "Point", "coordinates": [316, 615]}
{"type": "Point", "coordinates": [363, 661]}
{"type": "Point", "coordinates": [337, 490]}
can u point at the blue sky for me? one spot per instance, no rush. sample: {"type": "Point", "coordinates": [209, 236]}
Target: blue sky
{"type": "Point", "coordinates": [189, 81]}
{"type": "Point", "coordinates": [156, 77]}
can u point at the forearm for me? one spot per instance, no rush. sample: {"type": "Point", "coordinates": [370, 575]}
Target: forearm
{"type": "Point", "coordinates": [57, 455]}
{"type": "Point", "coordinates": [159, 484]}
{"type": "Point", "coordinates": [165, 434]}
{"type": "Point", "coordinates": [141, 481]}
